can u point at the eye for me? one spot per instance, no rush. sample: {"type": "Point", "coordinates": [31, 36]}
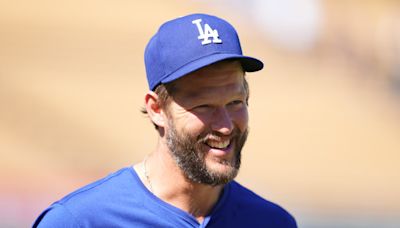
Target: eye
{"type": "Point", "coordinates": [236, 102]}
{"type": "Point", "coordinates": [236, 105]}
{"type": "Point", "coordinates": [204, 107]}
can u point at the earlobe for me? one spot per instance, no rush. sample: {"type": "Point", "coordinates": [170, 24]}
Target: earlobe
{"type": "Point", "coordinates": [153, 109]}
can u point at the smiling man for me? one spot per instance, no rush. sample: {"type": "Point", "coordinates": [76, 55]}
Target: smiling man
{"type": "Point", "coordinates": [197, 101]}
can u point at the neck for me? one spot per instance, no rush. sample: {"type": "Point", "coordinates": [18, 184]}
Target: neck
{"type": "Point", "coordinates": [165, 180]}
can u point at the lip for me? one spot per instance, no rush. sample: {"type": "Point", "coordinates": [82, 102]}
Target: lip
{"type": "Point", "coordinates": [220, 152]}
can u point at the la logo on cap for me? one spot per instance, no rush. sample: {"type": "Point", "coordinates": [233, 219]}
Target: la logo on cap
{"type": "Point", "coordinates": [207, 33]}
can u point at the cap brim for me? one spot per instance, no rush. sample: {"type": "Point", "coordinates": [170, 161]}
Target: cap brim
{"type": "Point", "coordinates": [249, 64]}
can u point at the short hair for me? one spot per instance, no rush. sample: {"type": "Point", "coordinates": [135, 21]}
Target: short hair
{"type": "Point", "coordinates": [164, 93]}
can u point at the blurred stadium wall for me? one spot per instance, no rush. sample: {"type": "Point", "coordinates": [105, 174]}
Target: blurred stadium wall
{"type": "Point", "coordinates": [325, 124]}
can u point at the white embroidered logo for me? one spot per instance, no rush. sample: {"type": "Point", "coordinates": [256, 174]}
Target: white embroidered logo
{"type": "Point", "coordinates": [207, 33]}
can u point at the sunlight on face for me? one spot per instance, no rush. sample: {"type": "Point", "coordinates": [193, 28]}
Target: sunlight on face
{"type": "Point", "coordinates": [207, 124]}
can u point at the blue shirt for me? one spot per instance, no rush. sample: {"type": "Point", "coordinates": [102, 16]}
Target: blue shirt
{"type": "Point", "coordinates": [121, 200]}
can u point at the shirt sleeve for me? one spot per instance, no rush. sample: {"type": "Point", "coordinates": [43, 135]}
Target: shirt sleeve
{"type": "Point", "coordinates": [56, 216]}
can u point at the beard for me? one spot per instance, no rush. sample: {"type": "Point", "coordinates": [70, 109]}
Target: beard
{"type": "Point", "coordinates": [189, 154]}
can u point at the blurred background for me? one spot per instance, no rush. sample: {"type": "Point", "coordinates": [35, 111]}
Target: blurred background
{"type": "Point", "coordinates": [324, 114]}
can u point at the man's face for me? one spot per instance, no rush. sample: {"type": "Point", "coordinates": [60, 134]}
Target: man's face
{"type": "Point", "coordinates": [207, 123]}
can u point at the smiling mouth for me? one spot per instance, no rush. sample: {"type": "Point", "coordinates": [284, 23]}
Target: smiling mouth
{"type": "Point", "coordinates": [218, 144]}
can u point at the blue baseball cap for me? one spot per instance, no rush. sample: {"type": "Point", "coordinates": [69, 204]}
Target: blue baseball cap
{"type": "Point", "coordinates": [188, 43]}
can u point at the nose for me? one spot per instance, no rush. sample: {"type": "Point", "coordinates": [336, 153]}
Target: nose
{"type": "Point", "coordinates": [222, 121]}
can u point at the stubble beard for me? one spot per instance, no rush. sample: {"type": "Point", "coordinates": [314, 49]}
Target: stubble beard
{"type": "Point", "coordinates": [190, 156]}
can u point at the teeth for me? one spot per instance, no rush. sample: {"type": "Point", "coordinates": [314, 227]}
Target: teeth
{"type": "Point", "coordinates": [219, 145]}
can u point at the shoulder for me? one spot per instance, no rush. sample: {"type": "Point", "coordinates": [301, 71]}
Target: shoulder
{"type": "Point", "coordinates": [110, 185]}
{"type": "Point", "coordinates": [90, 201]}
{"type": "Point", "coordinates": [56, 215]}
{"type": "Point", "coordinates": [256, 208]}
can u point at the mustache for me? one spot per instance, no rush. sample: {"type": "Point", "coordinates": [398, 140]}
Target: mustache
{"type": "Point", "coordinates": [236, 133]}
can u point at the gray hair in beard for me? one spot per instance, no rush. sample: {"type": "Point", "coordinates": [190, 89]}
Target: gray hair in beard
{"type": "Point", "coordinates": [187, 153]}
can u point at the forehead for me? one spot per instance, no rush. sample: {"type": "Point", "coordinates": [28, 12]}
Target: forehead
{"type": "Point", "coordinates": [223, 75]}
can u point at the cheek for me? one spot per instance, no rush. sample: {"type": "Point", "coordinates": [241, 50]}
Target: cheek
{"type": "Point", "coordinates": [194, 124]}
{"type": "Point", "coordinates": [241, 118]}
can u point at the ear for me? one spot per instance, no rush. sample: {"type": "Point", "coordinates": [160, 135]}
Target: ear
{"type": "Point", "coordinates": [155, 112]}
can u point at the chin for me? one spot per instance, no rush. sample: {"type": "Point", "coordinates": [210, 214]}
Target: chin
{"type": "Point", "coordinates": [221, 167]}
